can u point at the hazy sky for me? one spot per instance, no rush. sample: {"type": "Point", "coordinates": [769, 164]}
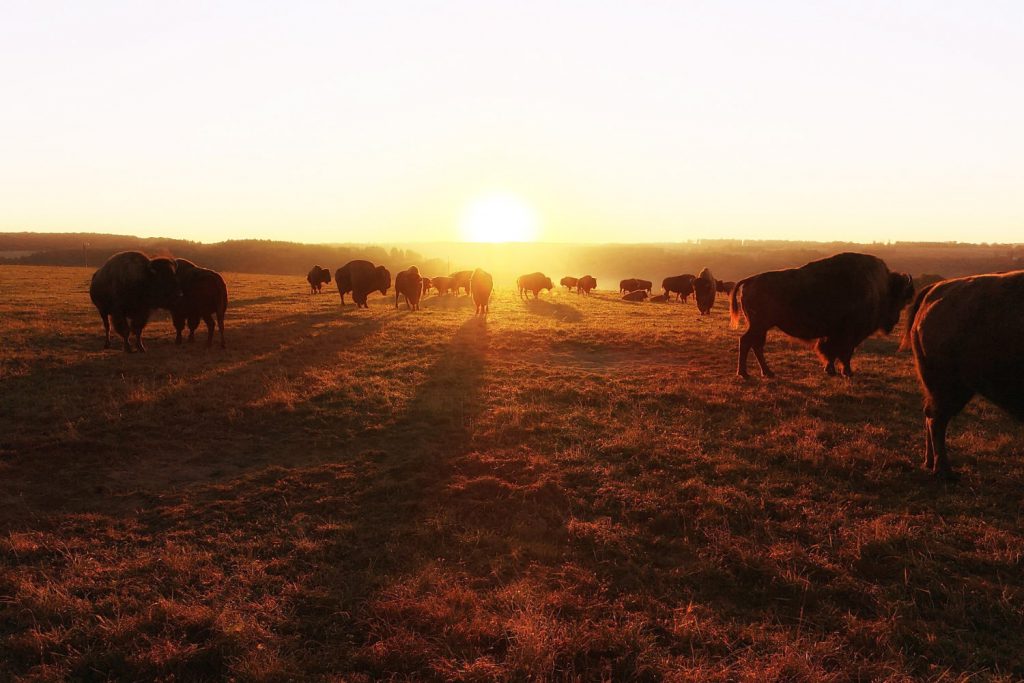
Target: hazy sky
{"type": "Point", "coordinates": [630, 121]}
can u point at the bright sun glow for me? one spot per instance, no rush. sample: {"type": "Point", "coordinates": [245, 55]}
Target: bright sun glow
{"type": "Point", "coordinates": [499, 218]}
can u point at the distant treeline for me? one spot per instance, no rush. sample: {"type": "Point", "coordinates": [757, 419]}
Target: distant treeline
{"type": "Point", "coordinates": [727, 259]}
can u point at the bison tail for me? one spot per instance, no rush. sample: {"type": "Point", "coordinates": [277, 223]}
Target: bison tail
{"type": "Point", "coordinates": [734, 306]}
{"type": "Point", "coordinates": [911, 315]}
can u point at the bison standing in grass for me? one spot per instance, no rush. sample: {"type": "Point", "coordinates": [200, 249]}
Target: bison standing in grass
{"type": "Point", "coordinates": [460, 280]}
{"type": "Point", "coordinates": [533, 282]}
{"type": "Point", "coordinates": [481, 284]}
{"type": "Point", "coordinates": [680, 285]}
{"type": "Point", "coordinates": [725, 287]}
{"type": "Point", "coordinates": [704, 287]}
{"type": "Point", "coordinates": [361, 278]}
{"type": "Point", "coordinates": [409, 284]}
{"type": "Point", "coordinates": [203, 295]}
{"type": "Point", "coordinates": [127, 288]}
{"type": "Point", "coordinates": [585, 284]}
{"type": "Point", "coordinates": [569, 283]}
{"type": "Point", "coordinates": [967, 336]}
{"type": "Point", "coordinates": [317, 278]}
{"type": "Point", "coordinates": [632, 284]}
{"type": "Point", "coordinates": [837, 302]}
{"type": "Point", "coordinates": [442, 284]}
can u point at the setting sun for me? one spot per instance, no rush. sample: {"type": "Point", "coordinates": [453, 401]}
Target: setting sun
{"type": "Point", "coordinates": [498, 218]}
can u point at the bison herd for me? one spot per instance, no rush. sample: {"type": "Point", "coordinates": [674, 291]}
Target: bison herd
{"type": "Point", "coordinates": [965, 333]}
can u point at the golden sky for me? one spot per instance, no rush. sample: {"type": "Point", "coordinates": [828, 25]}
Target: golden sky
{"type": "Point", "coordinates": [566, 121]}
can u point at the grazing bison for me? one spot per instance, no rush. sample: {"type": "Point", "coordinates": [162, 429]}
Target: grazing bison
{"type": "Point", "coordinates": [633, 284]}
{"type": "Point", "coordinates": [680, 285]}
{"type": "Point", "coordinates": [533, 282]}
{"type": "Point", "coordinates": [569, 283]}
{"type": "Point", "coordinates": [203, 295]}
{"type": "Point", "coordinates": [635, 295]}
{"type": "Point", "coordinates": [724, 287]}
{"type": "Point", "coordinates": [442, 284]}
{"type": "Point", "coordinates": [837, 302]}
{"type": "Point", "coordinates": [704, 287]}
{"type": "Point", "coordinates": [409, 284]}
{"type": "Point", "coordinates": [460, 280]}
{"type": "Point", "coordinates": [481, 284]}
{"type": "Point", "coordinates": [127, 288]}
{"type": "Point", "coordinates": [317, 278]}
{"type": "Point", "coordinates": [585, 284]}
{"type": "Point", "coordinates": [426, 285]}
{"type": "Point", "coordinates": [966, 336]}
{"type": "Point", "coordinates": [361, 278]}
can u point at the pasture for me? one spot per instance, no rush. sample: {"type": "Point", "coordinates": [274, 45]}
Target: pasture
{"type": "Point", "coordinates": [572, 489]}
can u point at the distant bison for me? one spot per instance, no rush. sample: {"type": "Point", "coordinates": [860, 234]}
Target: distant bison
{"type": "Point", "coordinates": [635, 295]}
{"type": "Point", "coordinates": [704, 287]}
{"type": "Point", "coordinates": [460, 280]}
{"type": "Point", "coordinates": [534, 282]}
{"type": "Point", "coordinates": [361, 278]}
{"type": "Point", "coordinates": [409, 284]}
{"type": "Point", "coordinates": [425, 281]}
{"type": "Point", "coordinates": [661, 298]}
{"type": "Point", "coordinates": [633, 284]}
{"type": "Point", "coordinates": [203, 295]}
{"type": "Point", "coordinates": [127, 288]}
{"type": "Point", "coordinates": [481, 284]}
{"type": "Point", "coordinates": [680, 285]}
{"type": "Point", "coordinates": [966, 336]}
{"type": "Point", "coordinates": [837, 302]}
{"type": "Point", "coordinates": [442, 284]}
{"type": "Point", "coordinates": [725, 287]}
{"type": "Point", "coordinates": [569, 282]}
{"type": "Point", "coordinates": [317, 278]}
{"type": "Point", "coordinates": [585, 284]}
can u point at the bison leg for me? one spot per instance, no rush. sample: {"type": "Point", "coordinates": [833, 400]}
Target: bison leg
{"type": "Point", "coordinates": [846, 358]}
{"type": "Point", "coordinates": [823, 347]}
{"type": "Point", "coordinates": [754, 339]}
{"type": "Point", "coordinates": [106, 329]}
{"type": "Point", "coordinates": [220, 328]}
{"type": "Point", "coordinates": [138, 323]}
{"type": "Point", "coordinates": [940, 407]}
{"type": "Point", "coordinates": [208, 319]}
{"type": "Point", "coordinates": [121, 327]}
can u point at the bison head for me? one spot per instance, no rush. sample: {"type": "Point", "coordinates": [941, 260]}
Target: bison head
{"type": "Point", "coordinates": [547, 284]}
{"type": "Point", "coordinates": [326, 275]}
{"type": "Point", "coordinates": [383, 279]}
{"type": "Point", "coordinates": [164, 289]}
{"type": "Point", "coordinates": [901, 291]}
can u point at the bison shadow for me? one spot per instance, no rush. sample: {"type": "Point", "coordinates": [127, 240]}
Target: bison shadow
{"type": "Point", "coordinates": [445, 302]}
{"type": "Point", "coordinates": [562, 312]}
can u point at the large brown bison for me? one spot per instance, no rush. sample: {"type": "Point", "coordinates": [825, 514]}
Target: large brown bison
{"type": "Point", "coordinates": [837, 302]}
{"type": "Point", "coordinates": [570, 283]}
{"type": "Point", "coordinates": [680, 285]}
{"type": "Point", "coordinates": [425, 281]}
{"type": "Point", "coordinates": [460, 280]}
{"type": "Point", "coordinates": [482, 283]}
{"type": "Point", "coordinates": [533, 282]}
{"type": "Point", "coordinates": [203, 295]}
{"type": "Point", "coordinates": [635, 295]}
{"type": "Point", "coordinates": [127, 288]}
{"type": "Point", "coordinates": [442, 284]}
{"type": "Point", "coordinates": [585, 284]}
{"type": "Point", "coordinates": [632, 284]}
{"type": "Point", "coordinates": [317, 278]}
{"type": "Point", "coordinates": [361, 278]}
{"type": "Point", "coordinates": [409, 284]}
{"type": "Point", "coordinates": [966, 336]}
{"type": "Point", "coordinates": [704, 288]}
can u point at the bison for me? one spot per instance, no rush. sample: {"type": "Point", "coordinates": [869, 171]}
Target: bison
{"type": "Point", "coordinates": [680, 285]}
{"type": "Point", "coordinates": [533, 282]}
{"type": "Point", "coordinates": [966, 337]}
{"type": "Point", "coordinates": [426, 285]}
{"type": "Point", "coordinates": [585, 284]}
{"type": "Point", "coordinates": [127, 288]}
{"type": "Point", "coordinates": [837, 302]}
{"type": "Point", "coordinates": [704, 287]}
{"type": "Point", "coordinates": [460, 280]}
{"type": "Point", "coordinates": [361, 278]}
{"type": "Point", "coordinates": [723, 286]}
{"type": "Point", "coordinates": [635, 295]}
{"type": "Point", "coordinates": [203, 295]}
{"type": "Point", "coordinates": [317, 278]}
{"type": "Point", "coordinates": [660, 298]}
{"type": "Point", "coordinates": [409, 284]}
{"type": "Point", "coordinates": [442, 284]}
{"type": "Point", "coordinates": [569, 283]}
{"type": "Point", "coordinates": [481, 284]}
{"type": "Point", "coordinates": [633, 284]}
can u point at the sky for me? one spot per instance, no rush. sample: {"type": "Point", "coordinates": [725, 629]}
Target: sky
{"type": "Point", "coordinates": [395, 122]}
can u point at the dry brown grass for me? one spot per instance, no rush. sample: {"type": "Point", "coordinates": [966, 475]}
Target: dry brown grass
{"type": "Point", "coordinates": [575, 489]}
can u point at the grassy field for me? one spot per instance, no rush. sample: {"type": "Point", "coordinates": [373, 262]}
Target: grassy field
{"type": "Point", "coordinates": [572, 489]}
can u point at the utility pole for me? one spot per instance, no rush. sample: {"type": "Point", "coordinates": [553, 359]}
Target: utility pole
{"type": "Point", "coordinates": [85, 254]}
